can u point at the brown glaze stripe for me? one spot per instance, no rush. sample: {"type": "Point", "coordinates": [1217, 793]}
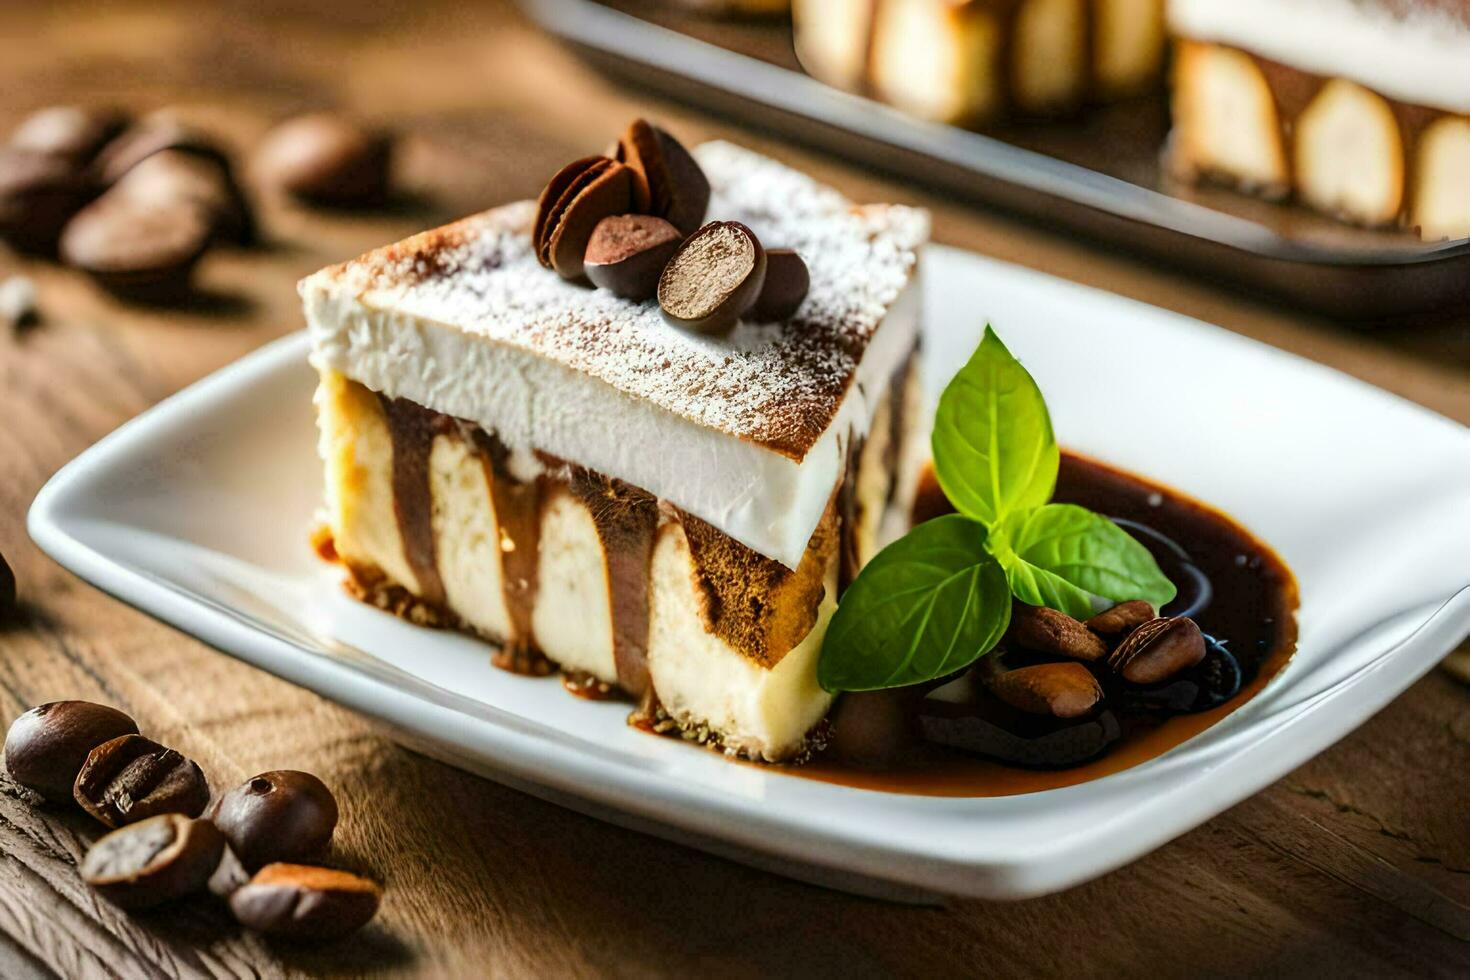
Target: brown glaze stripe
{"type": "Point", "coordinates": [413, 428]}
{"type": "Point", "coordinates": [626, 518]}
{"type": "Point", "coordinates": [517, 508]}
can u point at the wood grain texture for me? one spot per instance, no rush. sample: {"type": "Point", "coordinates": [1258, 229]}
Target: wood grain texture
{"type": "Point", "coordinates": [1356, 864]}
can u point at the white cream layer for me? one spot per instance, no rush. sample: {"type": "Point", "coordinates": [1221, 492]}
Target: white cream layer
{"type": "Point", "coordinates": [760, 498]}
{"type": "Point", "coordinates": [1423, 59]}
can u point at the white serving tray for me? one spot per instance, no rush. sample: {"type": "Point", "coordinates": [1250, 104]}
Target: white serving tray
{"type": "Point", "coordinates": [198, 512]}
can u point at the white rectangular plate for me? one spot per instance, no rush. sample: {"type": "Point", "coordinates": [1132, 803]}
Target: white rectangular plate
{"type": "Point", "coordinates": [198, 512]}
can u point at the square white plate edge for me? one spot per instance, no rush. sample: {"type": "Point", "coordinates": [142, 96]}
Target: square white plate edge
{"type": "Point", "coordinates": [1012, 875]}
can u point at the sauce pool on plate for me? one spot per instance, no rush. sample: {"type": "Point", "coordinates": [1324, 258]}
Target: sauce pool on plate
{"type": "Point", "coordinates": [1231, 583]}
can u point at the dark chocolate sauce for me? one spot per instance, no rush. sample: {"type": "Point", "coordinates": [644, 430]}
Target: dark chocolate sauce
{"type": "Point", "coordinates": [1230, 582]}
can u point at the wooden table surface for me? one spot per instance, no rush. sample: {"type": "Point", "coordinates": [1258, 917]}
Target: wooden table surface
{"type": "Point", "coordinates": [1357, 863]}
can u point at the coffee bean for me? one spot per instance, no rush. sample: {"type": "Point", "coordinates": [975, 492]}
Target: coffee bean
{"type": "Point", "coordinates": [172, 177]}
{"type": "Point", "coordinates": [1158, 650]}
{"type": "Point", "coordinates": [7, 591]}
{"type": "Point", "coordinates": [300, 902]}
{"type": "Point", "coordinates": [713, 278]}
{"type": "Point", "coordinates": [787, 282]}
{"type": "Point", "coordinates": [964, 714]}
{"type": "Point", "coordinates": [136, 250]}
{"type": "Point", "coordinates": [39, 193]}
{"type": "Point", "coordinates": [1122, 618]}
{"type": "Point", "coordinates": [326, 158]}
{"type": "Point", "coordinates": [229, 875]}
{"type": "Point", "coordinates": [47, 745]}
{"type": "Point", "coordinates": [572, 204]}
{"type": "Point", "coordinates": [1049, 631]}
{"type": "Point", "coordinates": [668, 182]}
{"type": "Point", "coordinates": [628, 252]}
{"type": "Point", "coordinates": [154, 135]}
{"type": "Point", "coordinates": [73, 132]}
{"type": "Point", "coordinates": [282, 815]}
{"type": "Point", "coordinates": [153, 861]}
{"type": "Point", "coordinates": [1059, 690]}
{"type": "Point", "coordinates": [132, 778]}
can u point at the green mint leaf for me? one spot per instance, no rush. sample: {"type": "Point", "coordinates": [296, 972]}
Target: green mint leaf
{"type": "Point", "coordinates": [994, 452]}
{"type": "Point", "coordinates": [928, 604]}
{"type": "Point", "coordinates": [1068, 558]}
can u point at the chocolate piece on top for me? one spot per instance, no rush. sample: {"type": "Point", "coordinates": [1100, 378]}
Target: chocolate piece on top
{"type": "Point", "coordinates": [787, 282]}
{"type": "Point", "coordinates": [669, 184]}
{"type": "Point", "coordinates": [576, 198]}
{"type": "Point", "coordinates": [713, 279]}
{"type": "Point", "coordinates": [628, 252]}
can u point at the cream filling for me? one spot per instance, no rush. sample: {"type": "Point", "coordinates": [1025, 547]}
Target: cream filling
{"type": "Point", "coordinates": [1424, 59]}
{"type": "Point", "coordinates": [764, 500]}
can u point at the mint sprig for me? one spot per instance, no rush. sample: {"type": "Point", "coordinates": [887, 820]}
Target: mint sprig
{"type": "Point", "coordinates": [939, 598]}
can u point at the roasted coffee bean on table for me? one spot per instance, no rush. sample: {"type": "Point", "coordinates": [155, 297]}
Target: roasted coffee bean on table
{"type": "Point", "coordinates": [39, 193]}
{"type": "Point", "coordinates": [154, 135]}
{"type": "Point", "coordinates": [154, 861]}
{"type": "Point", "coordinates": [571, 206]}
{"type": "Point", "coordinates": [76, 133]}
{"type": "Point", "coordinates": [628, 252]}
{"type": "Point", "coordinates": [132, 778]}
{"type": "Point", "coordinates": [713, 279]}
{"type": "Point", "coordinates": [301, 902]}
{"type": "Point", "coordinates": [138, 251]}
{"type": "Point", "coordinates": [787, 282]}
{"type": "Point", "coordinates": [172, 177]}
{"type": "Point", "coordinates": [1122, 618]}
{"type": "Point", "coordinates": [668, 182]}
{"type": "Point", "coordinates": [1158, 650]}
{"type": "Point", "coordinates": [1059, 690]}
{"type": "Point", "coordinates": [326, 158]}
{"type": "Point", "coordinates": [283, 815]}
{"type": "Point", "coordinates": [1049, 631]}
{"type": "Point", "coordinates": [47, 746]}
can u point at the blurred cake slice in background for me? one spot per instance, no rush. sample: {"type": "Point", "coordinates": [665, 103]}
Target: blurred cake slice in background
{"type": "Point", "coordinates": [968, 62]}
{"type": "Point", "coordinates": [1358, 108]}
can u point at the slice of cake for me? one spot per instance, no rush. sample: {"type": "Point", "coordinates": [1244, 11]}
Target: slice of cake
{"type": "Point", "coordinates": [1359, 108]}
{"type": "Point", "coordinates": [969, 61]}
{"type": "Point", "coordinates": [575, 478]}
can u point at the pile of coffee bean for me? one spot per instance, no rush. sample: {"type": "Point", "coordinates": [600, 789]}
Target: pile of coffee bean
{"type": "Point", "coordinates": [1047, 696]}
{"type": "Point", "coordinates": [632, 222]}
{"type": "Point", "coordinates": [137, 203]}
{"type": "Point", "coordinates": [247, 850]}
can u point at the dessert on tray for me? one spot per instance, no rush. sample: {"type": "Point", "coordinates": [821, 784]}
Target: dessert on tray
{"type": "Point", "coordinates": [1359, 108]}
{"type": "Point", "coordinates": [970, 61]}
{"type": "Point", "coordinates": [660, 498]}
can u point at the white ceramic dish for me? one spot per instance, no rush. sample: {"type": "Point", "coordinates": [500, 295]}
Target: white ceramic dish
{"type": "Point", "coordinates": [198, 513]}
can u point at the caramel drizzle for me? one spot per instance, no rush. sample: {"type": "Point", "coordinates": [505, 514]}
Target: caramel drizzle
{"type": "Point", "coordinates": [412, 429]}
{"type": "Point", "coordinates": [517, 508]}
{"type": "Point", "coordinates": [625, 517]}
